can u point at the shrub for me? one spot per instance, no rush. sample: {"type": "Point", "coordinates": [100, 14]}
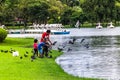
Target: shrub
{"type": "Point", "coordinates": [3, 34]}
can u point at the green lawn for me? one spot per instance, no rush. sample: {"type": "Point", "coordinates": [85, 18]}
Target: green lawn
{"type": "Point", "coordinates": [14, 68]}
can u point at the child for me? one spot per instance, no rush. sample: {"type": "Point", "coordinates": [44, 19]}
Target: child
{"type": "Point", "coordinates": [40, 49]}
{"type": "Point", "coordinates": [35, 46]}
{"type": "Point", "coordinates": [41, 46]}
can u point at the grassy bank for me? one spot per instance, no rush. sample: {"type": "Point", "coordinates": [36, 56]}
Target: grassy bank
{"type": "Point", "coordinates": [15, 68]}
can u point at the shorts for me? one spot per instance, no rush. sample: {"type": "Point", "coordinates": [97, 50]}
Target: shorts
{"type": "Point", "coordinates": [40, 51]}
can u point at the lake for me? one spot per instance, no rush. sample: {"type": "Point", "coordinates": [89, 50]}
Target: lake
{"type": "Point", "coordinates": [95, 53]}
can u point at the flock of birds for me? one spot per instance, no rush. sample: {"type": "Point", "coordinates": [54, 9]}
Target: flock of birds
{"type": "Point", "coordinates": [15, 53]}
{"type": "Point", "coordinates": [72, 42]}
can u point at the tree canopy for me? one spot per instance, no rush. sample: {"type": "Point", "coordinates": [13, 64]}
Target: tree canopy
{"type": "Point", "coordinates": [59, 11]}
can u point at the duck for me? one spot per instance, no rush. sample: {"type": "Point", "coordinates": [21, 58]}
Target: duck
{"type": "Point", "coordinates": [110, 25]}
{"type": "Point", "coordinates": [99, 26]}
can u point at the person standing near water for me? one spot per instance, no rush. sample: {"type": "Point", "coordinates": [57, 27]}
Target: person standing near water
{"type": "Point", "coordinates": [45, 36]}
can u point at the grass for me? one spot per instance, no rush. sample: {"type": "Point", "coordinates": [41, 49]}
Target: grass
{"type": "Point", "coordinates": [14, 68]}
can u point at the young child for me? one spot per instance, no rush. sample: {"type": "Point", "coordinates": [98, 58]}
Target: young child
{"type": "Point", "coordinates": [41, 46]}
{"type": "Point", "coordinates": [35, 46]}
{"type": "Point", "coordinates": [40, 49]}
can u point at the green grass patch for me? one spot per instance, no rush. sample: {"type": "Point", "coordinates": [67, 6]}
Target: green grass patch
{"type": "Point", "coordinates": [14, 68]}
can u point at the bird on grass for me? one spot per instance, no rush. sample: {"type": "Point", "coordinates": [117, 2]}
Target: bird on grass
{"type": "Point", "coordinates": [10, 52]}
{"type": "Point", "coordinates": [32, 51]}
{"type": "Point", "coordinates": [21, 57]}
{"type": "Point", "coordinates": [49, 56]}
{"type": "Point", "coordinates": [2, 50]}
{"type": "Point", "coordinates": [32, 58]}
{"type": "Point", "coordinates": [27, 52]}
{"type": "Point", "coordinates": [25, 55]}
{"type": "Point", "coordinates": [50, 51]}
{"type": "Point", "coordinates": [6, 51]}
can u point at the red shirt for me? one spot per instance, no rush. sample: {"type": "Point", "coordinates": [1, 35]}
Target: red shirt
{"type": "Point", "coordinates": [44, 35]}
{"type": "Point", "coordinates": [35, 45]}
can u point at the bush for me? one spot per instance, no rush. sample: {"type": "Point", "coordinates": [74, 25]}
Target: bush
{"type": "Point", "coordinates": [3, 34]}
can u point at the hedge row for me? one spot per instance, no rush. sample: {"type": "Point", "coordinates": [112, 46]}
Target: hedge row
{"type": "Point", "coordinates": [3, 34]}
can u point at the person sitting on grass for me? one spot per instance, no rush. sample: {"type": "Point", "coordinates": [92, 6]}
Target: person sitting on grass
{"type": "Point", "coordinates": [35, 46]}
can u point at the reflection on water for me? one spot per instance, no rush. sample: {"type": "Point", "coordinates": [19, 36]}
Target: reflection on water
{"type": "Point", "coordinates": [100, 59]}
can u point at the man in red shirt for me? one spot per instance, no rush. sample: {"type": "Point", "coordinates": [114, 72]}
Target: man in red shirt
{"type": "Point", "coordinates": [45, 36]}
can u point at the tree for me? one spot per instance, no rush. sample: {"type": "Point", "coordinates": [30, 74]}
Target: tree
{"type": "Point", "coordinates": [117, 11]}
{"type": "Point", "coordinates": [38, 12]}
{"type": "Point", "coordinates": [99, 10]}
{"type": "Point", "coordinates": [55, 10]}
{"type": "Point", "coordinates": [66, 17]}
{"type": "Point", "coordinates": [2, 1]}
{"type": "Point", "coordinates": [77, 15]}
{"type": "Point", "coordinates": [71, 3]}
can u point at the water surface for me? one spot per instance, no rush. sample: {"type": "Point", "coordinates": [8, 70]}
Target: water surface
{"type": "Point", "coordinates": [97, 56]}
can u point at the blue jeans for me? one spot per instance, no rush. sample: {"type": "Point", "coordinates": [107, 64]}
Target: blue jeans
{"type": "Point", "coordinates": [40, 51]}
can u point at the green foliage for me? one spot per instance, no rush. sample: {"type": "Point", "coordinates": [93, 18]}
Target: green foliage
{"type": "Point", "coordinates": [58, 11]}
{"type": "Point", "coordinates": [99, 10]}
{"type": "Point", "coordinates": [3, 34]}
{"type": "Point", "coordinates": [38, 12]}
{"type": "Point", "coordinates": [65, 18]}
{"type": "Point", "coordinates": [71, 3]}
{"type": "Point", "coordinates": [1, 18]}
{"type": "Point", "coordinates": [72, 15]}
{"type": "Point", "coordinates": [117, 16]}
